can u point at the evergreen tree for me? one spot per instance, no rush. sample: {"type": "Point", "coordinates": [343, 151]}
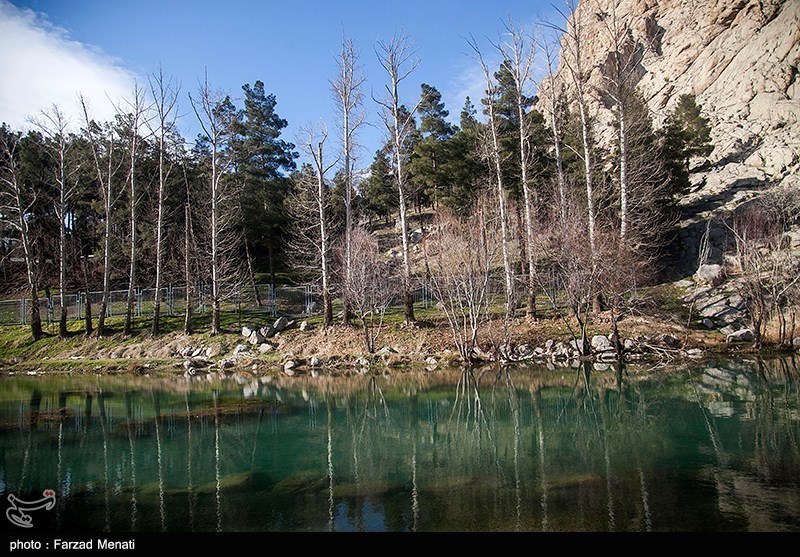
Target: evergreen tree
{"type": "Point", "coordinates": [430, 158]}
{"type": "Point", "coordinates": [686, 134]}
{"type": "Point", "coordinates": [463, 166]}
{"type": "Point", "coordinates": [262, 160]}
{"type": "Point", "coordinates": [379, 192]}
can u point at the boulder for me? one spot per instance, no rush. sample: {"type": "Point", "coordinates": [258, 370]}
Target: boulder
{"type": "Point", "coordinates": [267, 332]}
{"type": "Point", "coordinates": [315, 361]}
{"type": "Point", "coordinates": [256, 338]}
{"type": "Point", "coordinates": [265, 347]}
{"type": "Point", "coordinates": [601, 343]}
{"type": "Point", "coordinates": [415, 236]}
{"type": "Point", "coordinates": [742, 335]}
{"type": "Point", "coordinates": [524, 350]}
{"type": "Point", "coordinates": [708, 324]}
{"type": "Point", "coordinates": [431, 361]}
{"type": "Point", "coordinates": [247, 330]}
{"type": "Point", "coordinates": [196, 363]}
{"type": "Point", "coordinates": [666, 340]}
{"type": "Point", "coordinates": [281, 323]}
{"type": "Point", "coordinates": [289, 367]}
{"type": "Point", "coordinates": [304, 326]}
{"type": "Point", "coordinates": [712, 275]}
{"type": "Point", "coordinates": [241, 348]}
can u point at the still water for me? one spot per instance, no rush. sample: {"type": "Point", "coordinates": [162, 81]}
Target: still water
{"type": "Point", "coordinates": [704, 447]}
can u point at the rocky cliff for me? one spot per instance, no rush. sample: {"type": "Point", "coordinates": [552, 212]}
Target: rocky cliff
{"type": "Point", "coordinates": [740, 59]}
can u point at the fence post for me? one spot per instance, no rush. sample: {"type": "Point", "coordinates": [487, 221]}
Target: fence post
{"type": "Point", "coordinates": [23, 311]}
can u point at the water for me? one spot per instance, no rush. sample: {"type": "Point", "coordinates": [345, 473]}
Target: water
{"type": "Point", "coordinates": [711, 447]}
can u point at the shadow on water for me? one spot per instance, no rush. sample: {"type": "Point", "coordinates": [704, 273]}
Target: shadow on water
{"type": "Point", "coordinates": [711, 447]}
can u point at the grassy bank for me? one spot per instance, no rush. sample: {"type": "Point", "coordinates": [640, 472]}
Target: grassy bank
{"type": "Point", "coordinates": [430, 340]}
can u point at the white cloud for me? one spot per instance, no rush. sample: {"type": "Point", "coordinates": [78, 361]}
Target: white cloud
{"type": "Point", "coordinates": [469, 81]}
{"type": "Point", "coordinates": [40, 65]}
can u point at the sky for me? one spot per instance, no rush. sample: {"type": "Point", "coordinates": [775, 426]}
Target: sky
{"type": "Point", "coordinates": [50, 50]}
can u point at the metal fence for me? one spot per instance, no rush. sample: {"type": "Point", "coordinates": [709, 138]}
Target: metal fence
{"type": "Point", "coordinates": [261, 298]}
{"type": "Point", "coordinates": [305, 300]}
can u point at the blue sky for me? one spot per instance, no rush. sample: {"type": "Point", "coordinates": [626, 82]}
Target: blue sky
{"type": "Point", "coordinates": [49, 49]}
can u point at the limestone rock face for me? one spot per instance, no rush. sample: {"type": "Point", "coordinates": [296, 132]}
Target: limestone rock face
{"type": "Point", "coordinates": [740, 58]}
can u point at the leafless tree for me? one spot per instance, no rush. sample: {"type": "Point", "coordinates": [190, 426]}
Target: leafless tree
{"type": "Point", "coordinates": [573, 58]}
{"type": "Point", "coordinates": [618, 72]}
{"type": "Point", "coordinates": [312, 235]}
{"type": "Point", "coordinates": [461, 254]}
{"type": "Point", "coordinates": [767, 272]}
{"type": "Point", "coordinates": [399, 62]}
{"type": "Point", "coordinates": [134, 117]}
{"type": "Point", "coordinates": [164, 93]}
{"type": "Point", "coordinates": [214, 113]}
{"type": "Point", "coordinates": [519, 55]}
{"type": "Point", "coordinates": [572, 279]}
{"type": "Point", "coordinates": [17, 198]}
{"type": "Point", "coordinates": [370, 286]}
{"type": "Point", "coordinates": [189, 247]}
{"type": "Point", "coordinates": [103, 144]}
{"type": "Point", "coordinates": [347, 91]}
{"type": "Point", "coordinates": [54, 125]}
{"type": "Point", "coordinates": [553, 95]}
{"type": "Point", "coordinates": [494, 155]}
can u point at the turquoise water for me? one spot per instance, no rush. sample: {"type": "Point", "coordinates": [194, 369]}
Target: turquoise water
{"type": "Point", "coordinates": [706, 447]}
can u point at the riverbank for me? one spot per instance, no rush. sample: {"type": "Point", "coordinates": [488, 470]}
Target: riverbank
{"type": "Point", "coordinates": [658, 328]}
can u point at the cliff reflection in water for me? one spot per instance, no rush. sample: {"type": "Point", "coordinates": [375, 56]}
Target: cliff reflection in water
{"type": "Point", "coordinates": [708, 447]}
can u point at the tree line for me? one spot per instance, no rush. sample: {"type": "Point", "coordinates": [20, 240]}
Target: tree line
{"type": "Point", "coordinates": [531, 182]}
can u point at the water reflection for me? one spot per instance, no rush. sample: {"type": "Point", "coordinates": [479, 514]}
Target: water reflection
{"type": "Point", "coordinates": [713, 447]}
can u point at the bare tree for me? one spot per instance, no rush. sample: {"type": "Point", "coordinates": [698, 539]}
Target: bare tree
{"type": "Point", "coordinates": [619, 73]}
{"type": "Point", "coordinates": [189, 247]}
{"type": "Point", "coordinates": [573, 59]}
{"type": "Point", "coordinates": [494, 155]}
{"type": "Point", "coordinates": [17, 198]}
{"type": "Point", "coordinates": [519, 55]}
{"type": "Point", "coordinates": [164, 93]}
{"type": "Point", "coordinates": [312, 197]}
{"type": "Point", "coordinates": [399, 62]}
{"type": "Point", "coordinates": [54, 125]}
{"type": "Point", "coordinates": [461, 254]}
{"type": "Point", "coordinates": [370, 286]}
{"type": "Point", "coordinates": [572, 276]}
{"type": "Point", "coordinates": [134, 118]}
{"type": "Point", "coordinates": [214, 112]}
{"type": "Point", "coordinates": [347, 90]}
{"type": "Point", "coordinates": [554, 99]}
{"type": "Point", "coordinates": [767, 272]}
{"type": "Point", "coordinates": [103, 144]}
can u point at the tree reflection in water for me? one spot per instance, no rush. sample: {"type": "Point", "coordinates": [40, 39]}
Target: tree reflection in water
{"type": "Point", "coordinates": [703, 447]}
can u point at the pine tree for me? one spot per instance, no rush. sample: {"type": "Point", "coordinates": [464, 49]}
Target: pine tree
{"type": "Point", "coordinates": [430, 158]}
{"type": "Point", "coordinates": [262, 160]}
{"type": "Point", "coordinates": [380, 195]}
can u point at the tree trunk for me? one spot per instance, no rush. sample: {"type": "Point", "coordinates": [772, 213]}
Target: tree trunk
{"type": "Point", "coordinates": [132, 269]}
{"type": "Point", "coordinates": [101, 318]}
{"type": "Point", "coordinates": [501, 202]}
{"type": "Point", "coordinates": [187, 274]}
{"type": "Point", "coordinates": [527, 198]}
{"type": "Point", "coordinates": [88, 329]}
{"type": "Point", "coordinates": [623, 173]}
{"type": "Point", "coordinates": [250, 272]}
{"type": "Point", "coordinates": [62, 266]}
{"type": "Point", "coordinates": [156, 326]}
